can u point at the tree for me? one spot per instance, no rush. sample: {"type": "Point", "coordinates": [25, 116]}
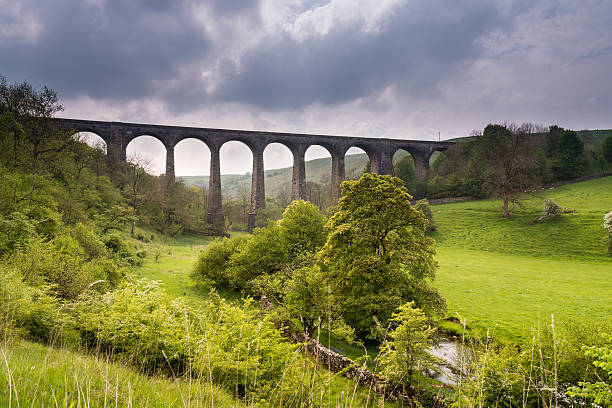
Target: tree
{"type": "Point", "coordinates": [244, 196]}
{"type": "Point", "coordinates": [568, 161]}
{"type": "Point", "coordinates": [136, 172]}
{"type": "Point", "coordinates": [35, 138]}
{"type": "Point", "coordinates": [509, 161]}
{"type": "Point", "coordinates": [607, 149]}
{"type": "Point", "coordinates": [273, 248]}
{"type": "Point", "coordinates": [377, 256]}
{"type": "Point", "coordinates": [406, 351]}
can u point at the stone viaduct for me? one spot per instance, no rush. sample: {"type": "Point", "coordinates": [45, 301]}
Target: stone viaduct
{"type": "Point", "coordinates": [118, 135]}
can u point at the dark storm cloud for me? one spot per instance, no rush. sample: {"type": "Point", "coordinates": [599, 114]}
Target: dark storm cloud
{"type": "Point", "coordinates": [421, 44]}
{"type": "Point", "coordinates": [110, 49]}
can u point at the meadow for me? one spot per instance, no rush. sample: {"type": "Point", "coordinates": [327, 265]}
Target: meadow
{"type": "Point", "coordinates": [504, 275]}
{"type": "Point", "coordinates": [509, 275]}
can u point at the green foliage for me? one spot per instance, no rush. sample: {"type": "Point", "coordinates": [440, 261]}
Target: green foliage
{"type": "Point", "coordinates": [27, 311]}
{"type": "Point", "coordinates": [213, 262]}
{"type": "Point", "coordinates": [302, 226]}
{"type": "Point", "coordinates": [15, 231]}
{"type": "Point", "coordinates": [608, 227]}
{"type": "Point", "coordinates": [606, 149]}
{"type": "Point", "coordinates": [271, 248]}
{"type": "Point", "coordinates": [569, 159]}
{"type": "Point", "coordinates": [425, 208]}
{"type": "Point", "coordinates": [551, 210]}
{"type": "Point", "coordinates": [377, 256]}
{"type": "Point", "coordinates": [404, 170]}
{"type": "Point", "coordinates": [264, 253]}
{"type": "Point", "coordinates": [406, 350]}
{"type": "Point", "coordinates": [598, 392]}
{"type": "Point", "coordinates": [537, 371]}
{"type": "Point", "coordinates": [226, 344]}
{"type": "Point", "coordinates": [306, 296]}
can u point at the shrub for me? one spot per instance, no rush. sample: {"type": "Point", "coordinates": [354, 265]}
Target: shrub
{"type": "Point", "coordinates": [222, 343]}
{"type": "Point", "coordinates": [89, 241]}
{"type": "Point", "coordinates": [598, 392]}
{"type": "Point", "coordinates": [213, 262]}
{"type": "Point", "coordinates": [425, 208]}
{"type": "Point", "coordinates": [551, 210]}
{"type": "Point", "coordinates": [608, 227]}
{"type": "Point", "coordinates": [264, 253]}
{"type": "Point", "coordinates": [15, 231]}
{"type": "Point", "coordinates": [27, 311]}
{"type": "Point", "coordinates": [406, 350]}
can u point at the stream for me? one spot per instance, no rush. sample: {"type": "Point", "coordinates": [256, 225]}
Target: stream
{"type": "Point", "coordinates": [449, 351]}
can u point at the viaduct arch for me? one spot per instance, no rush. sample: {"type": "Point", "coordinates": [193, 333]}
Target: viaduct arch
{"type": "Point", "coordinates": [117, 135]}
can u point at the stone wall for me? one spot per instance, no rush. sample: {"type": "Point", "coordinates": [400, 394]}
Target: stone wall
{"type": "Point", "coordinates": [336, 362]}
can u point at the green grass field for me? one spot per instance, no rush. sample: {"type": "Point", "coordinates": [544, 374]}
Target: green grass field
{"type": "Point", "coordinates": [35, 375]}
{"type": "Point", "coordinates": [508, 275]}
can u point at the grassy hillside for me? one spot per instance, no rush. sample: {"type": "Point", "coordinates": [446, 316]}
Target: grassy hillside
{"type": "Point", "coordinates": [509, 275]}
{"type": "Point", "coordinates": [38, 375]}
{"type": "Point", "coordinates": [277, 180]}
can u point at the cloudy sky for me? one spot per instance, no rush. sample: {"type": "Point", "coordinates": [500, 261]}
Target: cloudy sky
{"type": "Point", "coordinates": [375, 68]}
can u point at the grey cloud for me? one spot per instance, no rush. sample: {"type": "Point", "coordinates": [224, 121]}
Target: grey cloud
{"type": "Point", "coordinates": [231, 7]}
{"type": "Point", "coordinates": [119, 50]}
{"type": "Point", "coordinates": [347, 63]}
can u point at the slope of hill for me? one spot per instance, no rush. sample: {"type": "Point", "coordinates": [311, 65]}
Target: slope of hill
{"type": "Point", "coordinates": [508, 275]}
{"type": "Point", "coordinates": [277, 180]}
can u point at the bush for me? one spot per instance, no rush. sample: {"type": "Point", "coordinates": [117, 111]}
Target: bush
{"type": "Point", "coordinates": [27, 311]}
{"type": "Point", "coordinates": [425, 208]}
{"type": "Point", "coordinates": [213, 262]}
{"type": "Point", "coordinates": [89, 241]}
{"type": "Point", "coordinates": [270, 249]}
{"type": "Point", "coordinates": [608, 227]}
{"type": "Point", "coordinates": [551, 210]}
{"type": "Point", "coordinates": [15, 231]}
{"type": "Point", "coordinates": [232, 347]}
{"type": "Point", "coordinates": [598, 392]}
{"type": "Point", "coordinates": [63, 265]}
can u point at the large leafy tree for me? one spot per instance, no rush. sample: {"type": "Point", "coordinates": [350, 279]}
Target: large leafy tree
{"type": "Point", "coordinates": [377, 256]}
{"type": "Point", "coordinates": [509, 161]}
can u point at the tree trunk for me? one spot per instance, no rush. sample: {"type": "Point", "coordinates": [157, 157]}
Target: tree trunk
{"type": "Point", "coordinates": [506, 212]}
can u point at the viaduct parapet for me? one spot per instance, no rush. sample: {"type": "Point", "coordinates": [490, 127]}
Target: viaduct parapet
{"type": "Point", "coordinates": [118, 135]}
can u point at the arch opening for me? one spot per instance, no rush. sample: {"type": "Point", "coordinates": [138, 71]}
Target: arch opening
{"type": "Point", "coordinates": [236, 164]}
{"type": "Point", "coordinates": [403, 168]}
{"type": "Point", "coordinates": [319, 176]}
{"type": "Point", "coordinates": [192, 162]}
{"type": "Point", "coordinates": [278, 173]}
{"type": "Point", "coordinates": [92, 140]}
{"type": "Point", "coordinates": [148, 152]}
{"type": "Point", "coordinates": [356, 162]}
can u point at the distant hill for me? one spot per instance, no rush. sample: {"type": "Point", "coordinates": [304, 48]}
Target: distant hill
{"type": "Point", "coordinates": [277, 180]}
{"type": "Point", "coordinates": [592, 139]}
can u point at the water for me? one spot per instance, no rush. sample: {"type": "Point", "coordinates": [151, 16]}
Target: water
{"type": "Point", "coordinates": [449, 352]}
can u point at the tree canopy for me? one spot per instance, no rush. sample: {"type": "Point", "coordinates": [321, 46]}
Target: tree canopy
{"type": "Point", "coordinates": [377, 255]}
